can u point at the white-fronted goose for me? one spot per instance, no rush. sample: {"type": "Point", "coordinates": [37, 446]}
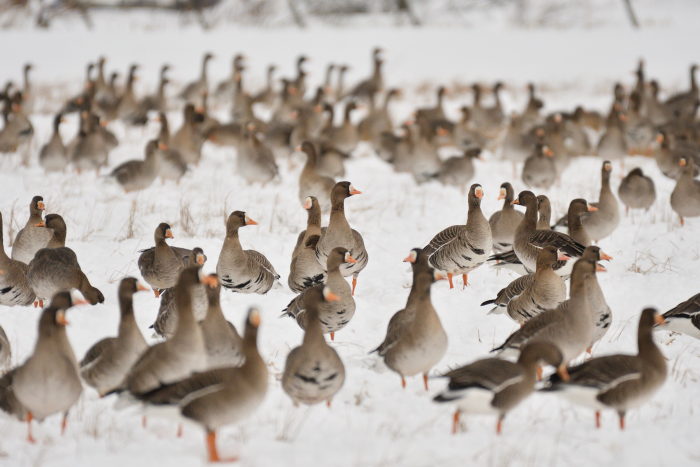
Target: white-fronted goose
{"type": "Point", "coordinates": [596, 299]}
{"type": "Point", "coordinates": [55, 268]}
{"type": "Point", "coordinates": [305, 272]}
{"type": "Point", "coordinates": [344, 137]}
{"type": "Point", "coordinates": [90, 150]}
{"type": "Point", "coordinates": [637, 191]}
{"type": "Point", "coordinates": [340, 234]}
{"type": "Point", "coordinates": [172, 165]}
{"type": "Point", "coordinates": [223, 345]}
{"type": "Point", "coordinates": [334, 315]}
{"type": "Point", "coordinates": [128, 109]}
{"type": "Point", "coordinates": [182, 354]}
{"type": "Point", "coordinates": [466, 137]}
{"type": "Point", "coordinates": [217, 398]}
{"type": "Point", "coordinates": [32, 237]}
{"type": "Point", "coordinates": [619, 382]}
{"type": "Point", "coordinates": [603, 222]}
{"type": "Point", "coordinates": [495, 386]}
{"type": "Point", "coordinates": [106, 363]}
{"type": "Point", "coordinates": [48, 381]}
{"type": "Point", "coordinates": [373, 84]}
{"type": "Point", "coordinates": [224, 90]}
{"type": "Point", "coordinates": [530, 295]}
{"type": "Point", "coordinates": [192, 93]}
{"type": "Point", "coordinates": [166, 320]}
{"type": "Point", "coordinates": [311, 183]}
{"type": "Point", "coordinates": [267, 95]}
{"type": "Point", "coordinates": [53, 156]}
{"type": "Point", "coordinates": [421, 343]}
{"type": "Point", "coordinates": [378, 121]}
{"type": "Point", "coordinates": [684, 317]}
{"type": "Point", "coordinates": [28, 97]}
{"type": "Point", "coordinates": [136, 175]}
{"type": "Point", "coordinates": [239, 270]}
{"type": "Point", "coordinates": [639, 130]}
{"type": "Point", "coordinates": [529, 240]}
{"type": "Point", "coordinates": [504, 222]}
{"type": "Point", "coordinates": [517, 146]}
{"type": "Point", "coordinates": [684, 104]}
{"type": "Point", "coordinates": [544, 212]}
{"type": "Point", "coordinates": [570, 327]}
{"type": "Point", "coordinates": [14, 285]}
{"type": "Point", "coordinates": [160, 266]}
{"type": "Point", "coordinates": [188, 140]}
{"type": "Point", "coordinates": [577, 231]}
{"type": "Point", "coordinates": [458, 170]}
{"type": "Point", "coordinates": [685, 198]}
{"type": "Point", "coordinates": [539, 170]}
{"type": "Point", "coordinates": [460, 249]}
{"type": "Point", "coordinates": [613, 144]}
{"type": "Point", "coordinates": [255, 161]}
{"type": "Point", "coordinates": [555, 140]}
{"type": "Point", "coordinates": [313, 371]}
{"type": "Point", "coordinates": [531, 116]}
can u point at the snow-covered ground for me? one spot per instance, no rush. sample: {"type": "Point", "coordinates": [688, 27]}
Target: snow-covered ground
{"type": "Point", "coordinates": [372, 420]}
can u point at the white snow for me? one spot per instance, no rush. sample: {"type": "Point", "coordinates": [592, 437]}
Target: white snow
{"type": "Point", "coordinates": [372, 420]}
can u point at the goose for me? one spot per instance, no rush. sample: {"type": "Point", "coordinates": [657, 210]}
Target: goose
{"type": "Point", "coordinates": [304, 271]}
{"type": "Point", "coordinates": [373, 84]}
{"type": "Point", "coordinates": [14, 285]}
{"type": "Point", "coordinates": [613, 145]}
{"type": "Point", "coordinates": [55, 268]}
{"type": "Point", "coordinates": [255, 161]}
{"type": "Point", "coordinates": [529, 240]}
{"type": "Point", "coordinates": [504, 222]}
{"type": "Point", "coordinates": [313, 372]}
{"type": "Point", "coordinates": [619, 382]}
{"type": "Point", "coordinates": [334, 315]}
{"type": "Point", "coordinates": [344, 137]}
{"type": "Point", "coordinates": [539, 170]}
{"type": "Point", "coordinates": [684, 317]}
{"type": "Point", "coordinates": [311, 183]}
{"type": "Point", "coordinates": [136, 175]}
{"type": "Point", "coordinates": [669, 154]}
{"type": "Point", "coordinates": [420, 342]}
{"type": "Point", "coordinates": [224, 90]}
{"type": "Point", "coordinates": [340, 234]}
{"type": "Point", "coordinates": [596, 299]}
{"type": "Point", "coordinates": [90, 150]}
{"type": "Point", "coordinates": [460, 249]}
{"type": "Point", "coordinates": [466, 137]}
{"type": "Point", "coordinates": [53, 156]}
{"type": "Point", "coordinates": [495, 386]}
{"type": "Point", "coordinates": [239, 270]}
{"type": "Point", "coordinates": [517, 146]}
{"type": "Point", "coordinates": [458, 170]}
{"type": "Point", "coordinates": [544, 212]}
{"type": "Point", "coordinates": [28, 97]}
{"type": "Point", "coordinates": [192, 93]}
{"type": "Point", "coordinates": [639, 130]}
{"type": "Point", "coordinates": [637, 191]}
{"type": "Point", "coordinates": [220, 397]}
{"type": "Point", "coordinates": [577, 231]}
{"type": "Point", "coordinates": [5, 356]}
{"type": "Point", "coordinates": [222, 343]}
{"type": "Point", "coordinates": [128, 106]}
{"type": "Point", "coordinates": [555, 140]}
{"type": "Point", "coordinates": [181, 355]}
{"type": "Point", "coordinates": [48, 381]}
{"type": "Point", "coordinates": [32, 237]}
{"type": "Point", "coordinates": [187, 140]}
{"type": "Point", "coordinates": [267, 95]}
{"type": "Point", "coordinates": [166, 320]}
{"type": "Point", "coordinates": [685, 198]}
{"type": "Point", "coordinates": [531, 117]}
{"type": "Point", "coordinates": [532, 294]}
{"type": "Point", "coordinates": [378, 121]}
{"type": "Point", "coordinates": [684, 104]}
{"type": "Point", "coordinates": [106, 363]}
{"type": "Point", "coordinates": [570, 326]}
{"type": "Point", "coordinates": [160, 265]}
{"type": "Point", "coordinates": [172, 164]}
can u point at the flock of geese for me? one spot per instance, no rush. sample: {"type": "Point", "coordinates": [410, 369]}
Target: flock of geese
{"type": "Point", "coordinates": [206, 371]}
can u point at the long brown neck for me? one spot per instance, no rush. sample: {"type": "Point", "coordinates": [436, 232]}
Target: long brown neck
{"type": "Point", "coordinates": [314, 331]}
{"type": "Point", "coordinates": [574, 219]}
{"type": "Point", "coordinates": [185, 315]}
{"type": "Point", "coordinates": [128, 320]}
{"type": "Point", "coordinates": [647, 348]}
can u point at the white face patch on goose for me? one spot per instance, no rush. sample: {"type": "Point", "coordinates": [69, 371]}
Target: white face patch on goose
{"type": "Point", "coordinates": [200, 259]}
{"type": "Point", "coordinates": [478, 191]}
{"type": "Point", "coordinates": [412, 256]}
{"type": "Point", "coordinates": [254, 317]}
{"type": "Point", "coordinates": [308, 202]}
{"type": "Point", "coordinates": [247, 219]}
{"type": "Point", "coordinates": [502, 193]}
{"type": "Point", "coordinates": [608, 167]}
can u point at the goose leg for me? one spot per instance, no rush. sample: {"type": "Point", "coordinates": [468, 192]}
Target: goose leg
{"type": "Point", "coordinates": [499, 425]}
{"type": "Point", "coordinates": [403, 383]}
{"type": "Point", "coordinates": [143, 422]}
{"type": "Point", "coordinates": [64, 423]}
{"type": "Point", "coordinates": [354, 282]}
{"type": "Point", "coordinates": [539, 373]}
{"type": "Point", "coordinates": [622, 420]}
{"type": "Point", "coordinates": [41, 304]}
{"type": "Point", "coordinates": [328, 403]}
{"type": "Point", "coordinates": [179, 430]}
{"type": "Point", "coordinates": [30, 438]}
{"type": "Point", "coordinates": [455, 422]}
{"type": "Point", "coordinates": [449, 278]}
{"type": "Point", "coordinates": [425, 380]}
{"type": "Point", "coordinates": [332, 336]}
{"type": "Point", "coordinates": [597, 418]}
{"type": "Point", "coordinates": [156, 292]}
{"type": "Point", "coordinates": [464, 278]}
{"type": "Point", "coordinates": [682, 222]}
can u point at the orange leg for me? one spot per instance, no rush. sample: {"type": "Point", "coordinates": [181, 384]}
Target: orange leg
{"type": "Point", "coordinates": [455, 422]}
{"type": "Point", "coordinates": [499, 425]}
{"type": "Point", "coordinates": [36, 304]}
{"type": "Point", "coordinates": [627, 211]}
{"type": "Point", "coordinates": [449, 278]}
{"type": "Point", "coordinates": [156, 292]}
{"type": "Point", "coordinates": [403, 383]}
{"type": "Point", "coordinates": [211, 447]}
{"type": "Point", "coordinates": [425, 380]}
{"type": "Point", "coordinates": [179, 430]}
{"type": "Point", "coordinates": [63, 424]}
{"type": "Point", "coordinates": [332, 336]}
{"type": "Point", "coordinates": [682, 222]}
{"type": "Point", "coordinates": [354, 284]}
{"type": "Point", "coordinates": [30, 438]}
{"type": "Point", "coordinates": [41, 304]}
{"type": "Point", "coordinates": [539, 373]}
{"type": "Point", "coordinates": [143, 422]}
{"type": "Point", "coordinates": [328, 403]}
{"type": "Point", "coordinates": [464, 278]}
{"type": "Point", "coordinates": [588, 350]}
{"type": "Point", "coordinates": [597, 418]}
{"type": "Point", "coordinates": [622, 421]}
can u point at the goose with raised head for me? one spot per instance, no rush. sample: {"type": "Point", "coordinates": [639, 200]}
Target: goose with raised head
{"type": "Point", "coordinates": [334, 315]}
{"type": "Point", "coordinates": [340, 234]}
{"type": "Point", "coordinates": [14, 285]}
{"type": "Point", "coordinates": [192, 93]}
{"type": "Point", "coordinates": [311, 183]}
{"type": "Point", "coordinates": [55, 268]}
{"type": "Point", "coordinates": [618, 382]}
{"type": "Point", "coordinates": [304, 271]}
{"type": "Point", "coordinates": [239, 270]}
{"type": "Point", "coordinates": [222, 343]}
{"type": "Point", "coordinates": [160, 266]}
{"type": "Point", "coordinates": [106, 363]}
{"type": "Point", "coordinates": [685, 198]}
{"type": "Point", "coordinates": [460, 249]}
{"type": "Point", "coordinates": [313, 372]}
{"type": "Point", "coordinates": [53, 156]}
{"type": "Point", "coordinates": [596, 299]}
{"type": "Point", "coordinates": [33, 236]}
{"type": "Point", "coordinates": [504, 222]}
